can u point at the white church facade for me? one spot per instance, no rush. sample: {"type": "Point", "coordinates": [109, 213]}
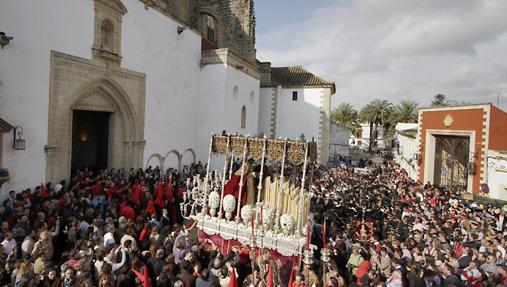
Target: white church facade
{"type": "Point", "coordinates": [131, 83]}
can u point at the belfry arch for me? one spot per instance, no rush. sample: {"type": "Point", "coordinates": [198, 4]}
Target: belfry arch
{"type": "Point", "coordinates": [98, 92]}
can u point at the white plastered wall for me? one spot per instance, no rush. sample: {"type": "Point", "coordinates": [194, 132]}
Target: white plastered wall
{"type": "Point", "coordinates": [294, 118]}
{"type": "Point", "coordinates": [37, 28]}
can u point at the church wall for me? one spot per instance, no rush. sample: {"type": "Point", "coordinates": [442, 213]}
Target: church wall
{"type": "Point", "coordinates": [211, 106]}
{"type": "Point", "coordinates": [248, 96]}
{"type": "Point", "coordinates": [220, 105]}
{"type": "Point", "coordinates": [301, 116]}
{"type": "Point", "coordinates": [152, 45]}
{"type": "Point", "coordinates": [24, 75]}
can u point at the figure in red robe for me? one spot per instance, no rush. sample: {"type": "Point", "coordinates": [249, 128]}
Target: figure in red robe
{"type": "Point", "coordinates": [233, 186]}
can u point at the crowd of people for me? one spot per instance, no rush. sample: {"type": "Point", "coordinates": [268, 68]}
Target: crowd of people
{"type": "Point", "coordinates": [117, 229]}
{"type": "Point", "coordinates": [416, 234]}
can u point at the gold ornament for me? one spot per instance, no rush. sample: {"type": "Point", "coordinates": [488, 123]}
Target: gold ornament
{"type": "Point", "coordinates": [275, 149]}
{"type": "Point", "coordinates": [219, 144]}
{"type": "Point", "coordinates": [255, 147]}
{"type": "Point", "coordinates": [238, 145]}
{"type": "Point", "coordinates": [296, 152]}
{"type": "Point", "coordinates": [448, 120]}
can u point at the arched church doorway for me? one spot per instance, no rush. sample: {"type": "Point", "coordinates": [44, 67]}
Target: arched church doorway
{"type": "Point", "coordinates": [96, 117]}
{"type": "Point", "coordinates": [90, 140]}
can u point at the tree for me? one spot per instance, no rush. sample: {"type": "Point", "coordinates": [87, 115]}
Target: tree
{"type": "Point", "coordinates": [439, 101]}
{"type": "Point", "coordinates": [375, 113]}
{"type": "Point", "coordinates": [406, 111]}
{"type": "Point", "coordinates": [346, 116]}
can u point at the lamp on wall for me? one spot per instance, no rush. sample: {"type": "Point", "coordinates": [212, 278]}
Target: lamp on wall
{"type": "Point", "coordinates": [19, 142]}
{"type": "Point", "coordinates": [181, 29]}
{"type": "Point", "coordinates": [4, 39]}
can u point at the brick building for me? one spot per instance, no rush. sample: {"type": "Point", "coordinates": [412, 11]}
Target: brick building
{"type": "Point", "coordinates": [465, 147]}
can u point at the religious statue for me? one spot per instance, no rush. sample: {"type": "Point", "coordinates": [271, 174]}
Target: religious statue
{"type": "Point", "coordinates": [248, 190]}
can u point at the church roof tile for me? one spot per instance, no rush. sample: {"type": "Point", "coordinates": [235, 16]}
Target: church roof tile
{"type": "Point", "coordinates": [297, 76]}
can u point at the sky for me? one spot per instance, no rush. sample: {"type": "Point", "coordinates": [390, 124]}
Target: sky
{"type": "Point", "coordinates": [392, 49]}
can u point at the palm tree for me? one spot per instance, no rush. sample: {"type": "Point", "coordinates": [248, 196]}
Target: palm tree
{"type": "Point", "coordinates": [346, 116]}
{"type": "Point", "coordinates": [406, 111]}
{"type": "Point", "coordinates": [375, 113]}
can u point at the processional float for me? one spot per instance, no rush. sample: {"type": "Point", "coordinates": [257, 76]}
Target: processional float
{"type": "Point", "coordinates": [269, 208]}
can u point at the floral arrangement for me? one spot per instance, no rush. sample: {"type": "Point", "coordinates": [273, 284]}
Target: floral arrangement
{"type": "Point", "coordinates": [214, 200]}
{"type": "Point", "coordinates": [286, 223]}
{"type": "Point", "coordinates": [246, 214]}
{"type": "Point", "coordinates": [229, 203]}
{"type": "Point", "coordinates": [267, 215]}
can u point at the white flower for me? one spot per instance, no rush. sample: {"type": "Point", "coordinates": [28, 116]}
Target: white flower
{"type": "Point", "coordinates": [246, 213]}
{"type": "Point", "coordinates": [214, 199]}
{"type": "Point", "coordinates": [229, 203]}
{"type": "Point", "coordinates": [267, 215]}
{"type": "Point", "coordinates": [286, 222]}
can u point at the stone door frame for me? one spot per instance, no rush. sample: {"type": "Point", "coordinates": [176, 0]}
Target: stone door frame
{"type": "Point", "coordinates": [79, 84]}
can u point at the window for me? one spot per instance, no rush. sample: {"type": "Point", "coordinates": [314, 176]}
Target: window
{"type": "Point", "coordinates": [107, 35]}
{"type": "Point", "coordinates": [295, 96]}
{"type": "Point", "coordinates": [235, 92]}
{"type": "Point", "coordinates": [243, 117]}
{"type": "Point", "coordinates": [210, 26]}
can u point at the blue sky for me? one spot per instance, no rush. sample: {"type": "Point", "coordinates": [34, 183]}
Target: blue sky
{"type": "Point", "coordinates": [391, 49]}
{"type": "Point", "coordinates": [275, 13]}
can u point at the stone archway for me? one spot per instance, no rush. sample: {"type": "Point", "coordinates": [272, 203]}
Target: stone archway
{"type": "Point", "coordinates": [120, 93]}
{"type": "Point", "coordinates": [153, 159]}
{"type": "Point", "coordinates": [191, 152]}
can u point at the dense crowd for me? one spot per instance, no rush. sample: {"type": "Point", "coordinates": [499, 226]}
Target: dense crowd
{"type": "Point", "coordinates": [125, 229]}
{"type": "Point", "coordinates": [417, 235]}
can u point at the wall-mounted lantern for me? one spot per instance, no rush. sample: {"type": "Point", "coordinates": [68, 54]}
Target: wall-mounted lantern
{"type": "Point", "coordinates": [19, 142]}
{"type": "Point", "coordinates": [180, 29]}
{"type": "Point", "coordinates": [4, 39]}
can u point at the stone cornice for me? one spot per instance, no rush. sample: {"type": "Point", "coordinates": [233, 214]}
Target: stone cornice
{"type": "Point", "coordinates": [225, 56]}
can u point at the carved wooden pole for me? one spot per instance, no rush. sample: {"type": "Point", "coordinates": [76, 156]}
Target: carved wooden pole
{"type": "Point", "coordinates": [280, 190]}
{"type": "Point", "coordinates": [206, 184]}
{"type": "Point", "coordinates": [238, 204]}
{"type": "Point", "coordinates": [301, 192]}
{"type": "Point", "coordinates": [223, 178]}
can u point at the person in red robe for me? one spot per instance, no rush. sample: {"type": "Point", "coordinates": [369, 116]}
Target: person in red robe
{"type": "Point", "coordinates": [159, 195]}
{"type": "Point", "coordinates": [127, 211]}
{"type": "Point", "coordinates": [137, 194]}
{"type": "Point", "coordinates": [233, 186]}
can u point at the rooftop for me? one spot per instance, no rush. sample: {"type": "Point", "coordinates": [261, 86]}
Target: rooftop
{"type": "Point", "coordinates": [297, 76]}
{"type": "Point", "coordinates": [411, 133]}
